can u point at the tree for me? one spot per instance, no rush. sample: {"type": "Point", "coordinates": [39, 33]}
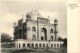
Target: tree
{"type": "Point", "coordinates": [65, 42]}
{"type": "Point", "coordinates": [60, 39]}
{"type": "Point", "coordinates": [5, 37]}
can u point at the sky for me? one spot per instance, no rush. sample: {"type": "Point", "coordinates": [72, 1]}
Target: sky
{"type": "Point", "coordinates": [12, 11]}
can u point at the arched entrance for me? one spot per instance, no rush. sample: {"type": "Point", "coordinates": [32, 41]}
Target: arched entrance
{"type": "Point", "coordinates": [44, 33]}
{"type": "Point", "coordinates": [51, 37]}
{"type": "Point", "coordinates": [23, 44]}
{"type": "Point", "coordinates": [42, 38]}
{"type": "Point", "coordinates": [36, 45]}
{"type": "Point", "coordinates": [28, 45]}
{"type": "Point", "coordinates": [34, 37]}
{"type": "Point", "coordinates": [32, 45]}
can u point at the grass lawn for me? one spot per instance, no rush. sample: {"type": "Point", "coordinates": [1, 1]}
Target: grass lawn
{"type": "Point", "coordinates": [51, 50]}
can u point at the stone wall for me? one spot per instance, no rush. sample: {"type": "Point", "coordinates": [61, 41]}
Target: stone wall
{"type": "Point", "coordinates": [34, 44]}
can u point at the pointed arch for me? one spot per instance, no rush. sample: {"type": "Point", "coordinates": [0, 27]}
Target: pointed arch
{"type": "Point", "coordinates": [33, 28]}
{"type": "Point", "coordinates": [42, 38]}
{"type": "Point", "coordinates": [23, 44]}
{"type": "Point", "coordinates": [51, 45]}
{"type": "Point", "coordinates": [51, 38]}
{"type": "Point", "coordinates": [36, 45]}
{"type": "Point", "coordinates": [33, 37]}
{"type": "Point", "coordinates": [40, 45]}
{"type": "Point", "coordinates": [32, 45]}
{"type": "Point", "coordinates": [28, 45]}
{"type": "Point", "coordinates": [47, 45]}
{"type": "Point", "coordinates": [43, 45]}
{"type": "Point", "coordinates": [44, 30]}
{"type": "Point", "coordinates": [51, 31]}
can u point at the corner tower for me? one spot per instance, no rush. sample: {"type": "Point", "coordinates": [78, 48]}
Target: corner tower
{"type": "Point", "coordinates": [55, 29]}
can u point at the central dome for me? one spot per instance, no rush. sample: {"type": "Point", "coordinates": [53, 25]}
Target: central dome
{"type": "Point", "coordinates": [33, 14]}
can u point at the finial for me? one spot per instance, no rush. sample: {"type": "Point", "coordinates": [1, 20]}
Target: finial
{"type": "Point", "coordinates": [48, 17]}
{"type": "Point", "coordinates": [14, 23]}
{"type": "Point", "coordinates": [34, 7]}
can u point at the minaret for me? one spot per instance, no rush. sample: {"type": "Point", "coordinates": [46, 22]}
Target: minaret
{"type": "Point", "coordinates": [55, 29]}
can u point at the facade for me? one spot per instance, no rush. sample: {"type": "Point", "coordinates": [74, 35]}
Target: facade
{"type": "Point", "coordinates": [36, 31]}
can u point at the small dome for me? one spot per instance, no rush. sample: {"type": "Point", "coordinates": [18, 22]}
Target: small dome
{"type": "Point", "coordinates": [33, 14]}
{"type": "Point", "coordinates": [55, 20]}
